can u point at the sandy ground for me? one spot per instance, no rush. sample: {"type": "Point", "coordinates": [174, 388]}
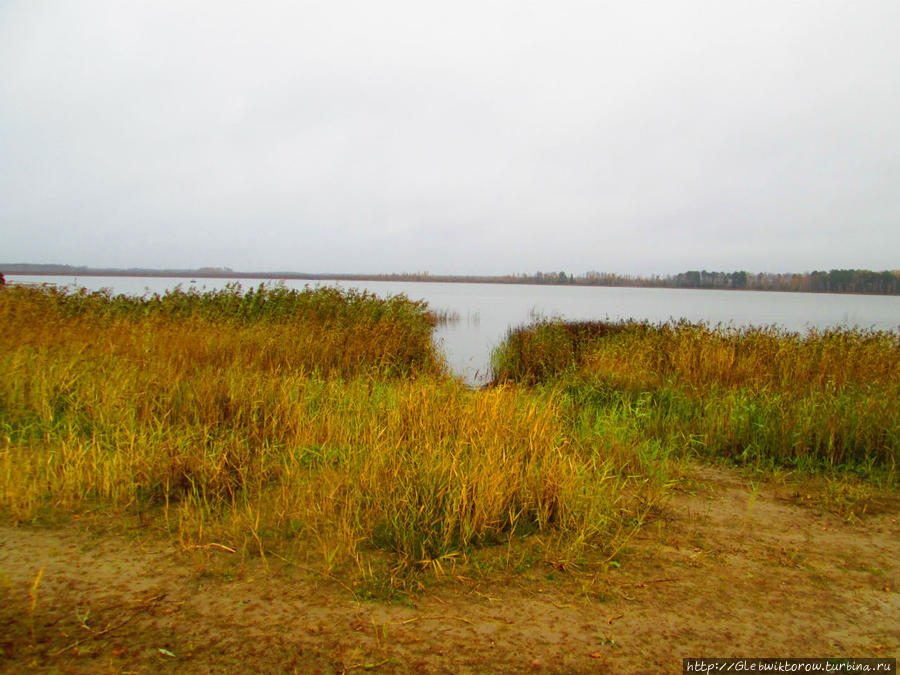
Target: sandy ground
{"type": "Point", "coordinates": [724, 570]}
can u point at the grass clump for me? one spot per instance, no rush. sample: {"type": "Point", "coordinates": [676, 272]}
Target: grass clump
{"type": "Point", "coordinates": [813, 401]}
{"type": "Point", "coordinates": [540, 352]}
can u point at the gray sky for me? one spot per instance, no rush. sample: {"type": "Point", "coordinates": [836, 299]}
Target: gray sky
{"type": "Point", "coordinates": [455, 137]}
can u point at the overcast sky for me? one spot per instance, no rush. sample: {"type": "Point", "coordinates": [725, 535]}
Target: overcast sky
{"type": "Point", "coordinates": [455, 137]}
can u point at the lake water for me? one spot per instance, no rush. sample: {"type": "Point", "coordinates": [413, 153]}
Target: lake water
{"type": "Point", "coordinates": [487, 311]}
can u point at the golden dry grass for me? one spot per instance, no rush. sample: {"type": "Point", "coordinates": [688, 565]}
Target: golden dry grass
{"type": "Point", "coordinates": [821, 399]}
{"type": "Point", "coordinates": [332, 431]}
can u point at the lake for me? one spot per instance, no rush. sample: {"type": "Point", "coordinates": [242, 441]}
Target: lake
{"type": "Point", "coordinates": [487, 311]}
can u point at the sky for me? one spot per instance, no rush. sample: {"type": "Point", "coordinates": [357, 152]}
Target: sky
{"type": "Point", "coordinates": [466, 137]}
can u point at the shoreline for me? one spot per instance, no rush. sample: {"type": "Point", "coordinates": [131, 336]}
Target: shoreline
{"type": "Point", "coordinates": [401, 278]}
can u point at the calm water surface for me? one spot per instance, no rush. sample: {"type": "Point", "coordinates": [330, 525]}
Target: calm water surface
{"type": "Point", "coordinates": [487, 311]}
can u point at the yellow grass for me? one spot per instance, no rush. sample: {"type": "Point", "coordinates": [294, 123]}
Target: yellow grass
{"type": "Point", "coordinates": [289, 436]}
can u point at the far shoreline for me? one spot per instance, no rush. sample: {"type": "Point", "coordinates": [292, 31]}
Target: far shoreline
{"type": "Point", "coordinates": [22, 270]}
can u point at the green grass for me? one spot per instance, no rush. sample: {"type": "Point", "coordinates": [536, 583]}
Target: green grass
{"type": "Point", "coordinates": [820, 401]}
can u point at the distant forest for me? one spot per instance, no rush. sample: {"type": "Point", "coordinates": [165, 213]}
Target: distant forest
{"type": "Point", "coordinates": [833, 281]}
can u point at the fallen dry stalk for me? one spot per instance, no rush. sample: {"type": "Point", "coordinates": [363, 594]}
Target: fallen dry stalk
{"type": "Point", "coordinates": [204, 547]}
{"type": "Point", "coordinates": [434, 618]}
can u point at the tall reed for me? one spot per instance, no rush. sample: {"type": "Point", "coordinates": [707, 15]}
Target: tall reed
{"type": "Point", "coordinates": [332, 429]}
{"type": "Point", "coordinates": [823, 398]}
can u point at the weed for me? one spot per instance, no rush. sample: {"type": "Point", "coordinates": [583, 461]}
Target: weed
{"type": "Point", "coordinates": [822, 401]}
{"type": "Point", "coordinates": [275, 420]}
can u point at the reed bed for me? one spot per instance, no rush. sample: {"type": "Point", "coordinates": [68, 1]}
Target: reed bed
{"type": "Point", "coordinates": [324, 330]}
{"type": "Point", "coordinates": [823, 399]}
{"type": "Point", "coordinates": [442, 317]}
{"type": "Point", "coordinates": [318, 421]}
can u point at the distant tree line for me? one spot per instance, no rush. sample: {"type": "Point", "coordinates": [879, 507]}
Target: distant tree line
{"type": "Point", "coordinates": [833, 281]}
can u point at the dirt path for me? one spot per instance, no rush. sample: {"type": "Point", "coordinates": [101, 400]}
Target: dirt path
{"type": "Point", "coordinates": [724, 571]}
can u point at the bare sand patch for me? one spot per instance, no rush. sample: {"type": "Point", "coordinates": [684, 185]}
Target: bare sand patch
{"type": "Point", "coordinates": [725, 569]}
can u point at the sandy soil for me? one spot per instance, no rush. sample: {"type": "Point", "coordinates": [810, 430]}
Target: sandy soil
{"type": "Point", "coordinates": [723, 571]}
